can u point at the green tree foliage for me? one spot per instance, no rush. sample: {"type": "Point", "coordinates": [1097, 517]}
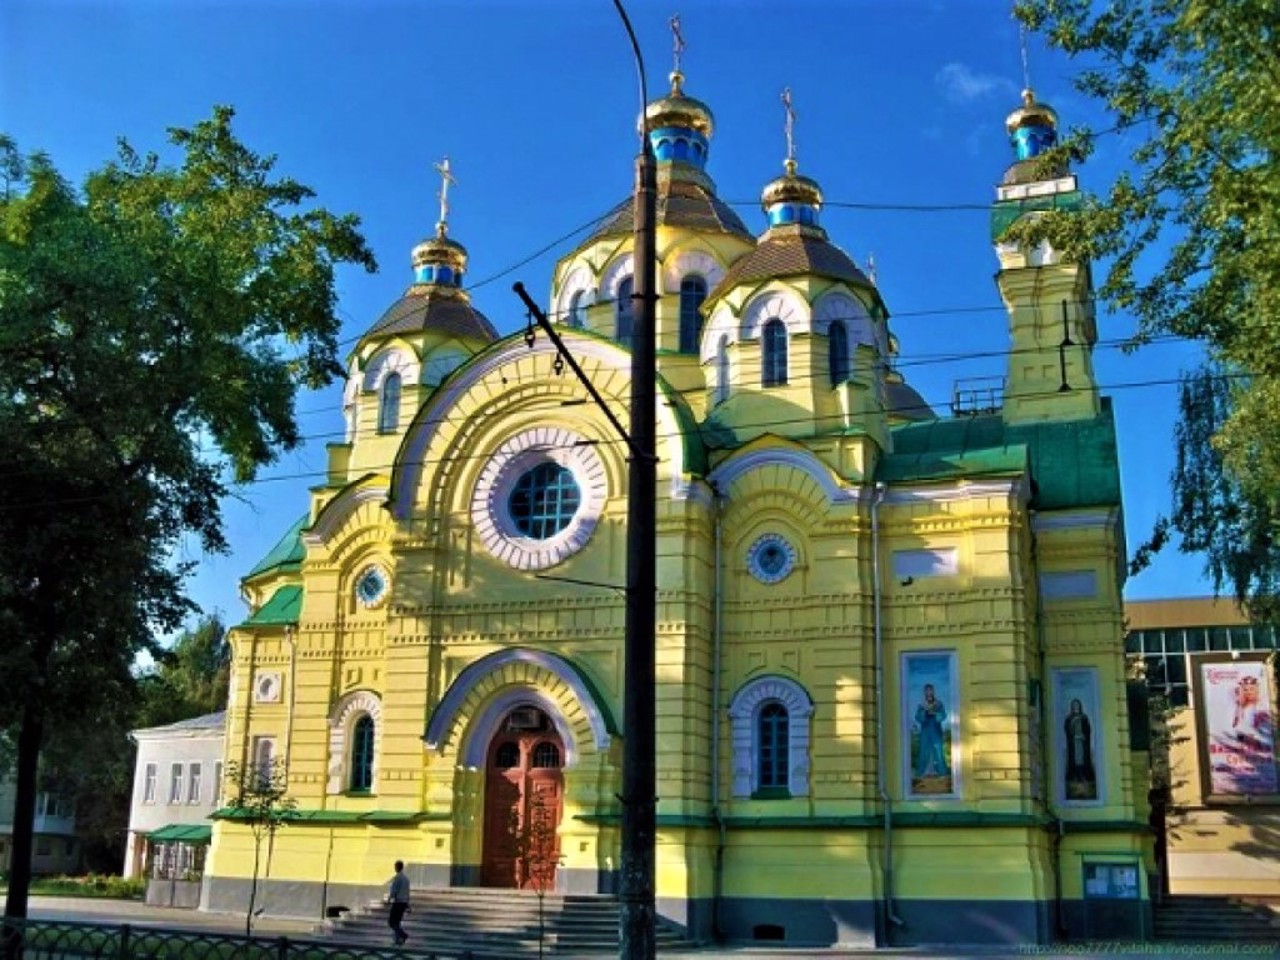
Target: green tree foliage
{"type": "Point", "coordinates": [1191, 236]}
{"type": "Point", "coordinates": [155, 327]}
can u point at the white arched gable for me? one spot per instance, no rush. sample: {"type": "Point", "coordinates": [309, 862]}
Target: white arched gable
{"type": "Point", "coordinates": [848, 310]}
{"type": "Point", "coordinates": [686, 263]}
{"type": "Point", "coordinates": [338, 510]}
{"type": "Point", "coordinates": [341, 722]}
{"type": "Point", "coordinates": [413, 452]}
{"type": "Point", "coordinates": [785, 305]}
{"type": "Point", "coordinates": [724, 476]}
{"type": "Point", "coordinates": [621, 268]}
{"type": "Point", "coordinates": [722, 323]}
{"type": "Point", "coordinates": [743, 711]}
{"type": "Point", "coordinates": [579, 280]}
{"type": "Point", "coordinates": [389, 361]}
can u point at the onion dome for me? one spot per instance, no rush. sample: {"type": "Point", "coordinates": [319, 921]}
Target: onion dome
{"type": "Point", "coordinates": [792, 199]}
{"type": "Point", "coordinates": [439, 260]}
{"type": "Point", "coordinates": [679, 127]}
{"type": "Point", "coordinates": [904, 401]}
{"type": "Point", "coordinates": [1033, 127]}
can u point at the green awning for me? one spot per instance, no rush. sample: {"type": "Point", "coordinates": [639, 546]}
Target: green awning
{"type": "Point", "coordinates": [282, 608]}
{"type": "Point", "coordinates": [182, 833]}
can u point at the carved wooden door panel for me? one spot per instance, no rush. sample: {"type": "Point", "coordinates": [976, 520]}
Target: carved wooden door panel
{"type": "Point", "coordinates": [523, 803]}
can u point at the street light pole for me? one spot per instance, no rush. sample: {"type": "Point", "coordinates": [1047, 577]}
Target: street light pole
{"type": "Point", "coordinates": [636, 882]}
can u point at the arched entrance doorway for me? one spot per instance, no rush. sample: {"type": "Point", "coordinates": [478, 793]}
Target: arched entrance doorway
{"type": "Point", "coordinates": [523, 802]}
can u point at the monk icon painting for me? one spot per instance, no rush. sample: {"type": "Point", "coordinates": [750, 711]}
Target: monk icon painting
{"type": "Point", "coordinates": [1082, 780]}
{"type": "Point", "coordinates": [930, 707]}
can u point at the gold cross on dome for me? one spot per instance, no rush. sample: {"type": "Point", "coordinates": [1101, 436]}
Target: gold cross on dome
{"type": "Point", "coordinates": [678, 43]}
{"type": "Point", "coordinates": [446, 178]}
{"type": "Point", "coordinates": [790, 126]}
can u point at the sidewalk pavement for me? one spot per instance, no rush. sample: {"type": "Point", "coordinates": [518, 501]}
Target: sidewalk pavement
{"type": "Point", "coordinates": [88, 910]}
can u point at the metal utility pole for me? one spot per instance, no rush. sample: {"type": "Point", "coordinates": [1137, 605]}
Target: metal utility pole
{"type": "Point", "coordinates": [636, 893]}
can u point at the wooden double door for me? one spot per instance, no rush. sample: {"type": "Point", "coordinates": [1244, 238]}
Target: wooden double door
{"type": "Point", "coordinates": [523, 803]}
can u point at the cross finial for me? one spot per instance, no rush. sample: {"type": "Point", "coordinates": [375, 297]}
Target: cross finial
{"type": "Point", "coordinates": [446, 178]}
{"type": "Point", "coordinates": [677, 39]}
{"type": "Point", "coordinates": [790, 129]}
{"type": "Point", "coordinates": [871, 268]}
{"type": "Point", "coordinates": [1026, 60]}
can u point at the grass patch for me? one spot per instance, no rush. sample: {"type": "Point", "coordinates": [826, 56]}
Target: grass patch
{"type": "Point", "coordinates": [93, 885]}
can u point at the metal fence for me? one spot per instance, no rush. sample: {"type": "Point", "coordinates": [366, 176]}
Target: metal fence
{"type": "Point", "coordinates": [67, 940]}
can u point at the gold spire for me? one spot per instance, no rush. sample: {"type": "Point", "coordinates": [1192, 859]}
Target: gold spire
{"type": "Point", "coordinates": [790, 128]}
{"type": "Point", "coordinates": [678, 45]}
{"type": "Point", "coordinates": [677, 109]}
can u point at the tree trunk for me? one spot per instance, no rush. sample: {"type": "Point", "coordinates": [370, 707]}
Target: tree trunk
{"type": "Point", "coordinates": [24, 807]}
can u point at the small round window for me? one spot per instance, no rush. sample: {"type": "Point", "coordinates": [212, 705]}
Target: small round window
{"type": "Point", "coordinates": [371, 586]}
{"type": "Point", "coordinates": [771, 558]}
{"type": "Point", "coordinates": [544, 500]}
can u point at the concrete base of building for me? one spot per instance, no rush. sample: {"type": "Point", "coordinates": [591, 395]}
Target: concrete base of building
{"type": "Point", "coordinates": [183, 894]}
{"type": "Point", "coordinates": [285, 898]}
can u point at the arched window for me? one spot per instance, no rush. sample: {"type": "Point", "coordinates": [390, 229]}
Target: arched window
{"type": "Point", "coordinates": [578, 310]}
{"type": "Point", "coordinates": [722, 370]}
{"type": "Point", "coordinates": [507, 757]}
{"type": "Point", "coordinates": [361, 755]}
{"type": "Point", "coordinates": [389, 404]}
{"type": "Point", "coordinates": [693, 290]}
{"type": "Point", "coordinates": [625, 312]}
{"type": "Point", "coordinates": [838, 352]}
{"type": "Point", "coordinates": [775, 353]}
{"type": "Point", "coordinates": [772, 746]}
{"type": "Point", "coordinates": [771, 718]}
{"type": "Point", "coordinates": [546, 756]}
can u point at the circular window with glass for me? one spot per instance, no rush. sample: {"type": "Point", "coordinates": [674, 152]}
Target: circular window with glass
{"type": "Point", "coordinates": [372, 586]}
{"type": "Point", "coordinates": [538, 499]}
{"type": "Point", "coordinates": [771, 558]}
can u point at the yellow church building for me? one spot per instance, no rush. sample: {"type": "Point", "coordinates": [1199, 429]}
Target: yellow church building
{"type": "Point", "coordinates": [891, 699]}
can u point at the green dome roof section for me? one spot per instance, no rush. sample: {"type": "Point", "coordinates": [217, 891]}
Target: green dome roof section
{"type": "Point", "coordinates": [288, 552]}
{"type": "Point", "coordinates": [281, 610]}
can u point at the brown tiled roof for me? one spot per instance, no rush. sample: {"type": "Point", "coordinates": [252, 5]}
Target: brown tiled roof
{"type": "Point", "coordinates": [422, 308]}
{"type": "Point", "coordinates": [681, 203]}
{"type": "Point", "coordinates": [787, 254]}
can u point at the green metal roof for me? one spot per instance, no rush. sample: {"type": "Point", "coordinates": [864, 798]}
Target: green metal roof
{"type": "Point", "coordinates": [182, 833]}
{"type": "Point", "coordinates": [288, 551]}
{"type": "Point", "coordinates": [1073, 463]}
{"type": "Point", "coordinates": [283, 607]}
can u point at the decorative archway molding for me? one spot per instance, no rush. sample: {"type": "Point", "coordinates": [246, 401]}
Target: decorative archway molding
{"type": "Point", "coordinates": [520, 676]}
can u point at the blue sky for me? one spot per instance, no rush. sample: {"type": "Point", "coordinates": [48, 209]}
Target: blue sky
{"type": "Point", "coordinates": [900, 104]}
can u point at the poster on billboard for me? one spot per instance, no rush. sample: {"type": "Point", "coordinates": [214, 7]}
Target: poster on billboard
{"type": "Point", "coordinates": [1236, 726]}
{"type": "Point", "coordinates": [1077, 730]}
{"type": "Point", "coordinates": [929, 696]}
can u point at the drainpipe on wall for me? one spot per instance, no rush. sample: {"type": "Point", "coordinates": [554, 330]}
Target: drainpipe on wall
{"type": "Point", "coordinates": [717, 632]}
{"type": "Point", "coordinates": [891, 918]}
{"type": "Point", "coordinates": [293, 676]}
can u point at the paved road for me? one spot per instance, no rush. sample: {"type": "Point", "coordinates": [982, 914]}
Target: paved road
{"type": "Point", "coordinates": [126, 911]}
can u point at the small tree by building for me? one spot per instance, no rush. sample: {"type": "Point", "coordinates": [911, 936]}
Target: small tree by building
{"type": "Point", "coordinates": [260, 800]}
{"type": "Point", "coordinates": [534, 847]}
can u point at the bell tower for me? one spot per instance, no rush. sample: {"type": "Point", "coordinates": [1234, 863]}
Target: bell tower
{"type": "Point", "coordinates": [1049, 299]}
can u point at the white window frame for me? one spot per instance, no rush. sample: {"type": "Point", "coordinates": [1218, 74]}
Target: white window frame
{"type": "Point", "coordinates": [176, 782]}
{"type": "Point", "coordinates": [744, 712]}
{"type": "Point", "coordinates": [150, 774]}
{"type": "Point", "coordinates": [194, 772]}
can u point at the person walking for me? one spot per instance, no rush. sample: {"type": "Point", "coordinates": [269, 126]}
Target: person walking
{"type": "Point", "coordinates": [398, 897]}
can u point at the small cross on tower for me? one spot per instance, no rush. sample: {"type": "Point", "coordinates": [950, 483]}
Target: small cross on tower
{"type": "Point", "coordinates": [446, 178]}
{"type": "Point", "coordinates": [678, 43]}
{"type": "Point", "coordinates": [790, 130]}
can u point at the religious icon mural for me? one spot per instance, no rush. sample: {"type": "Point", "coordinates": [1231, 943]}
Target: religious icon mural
{"type": "Point", "coordinates": [929, 698]}
{"type": "Point", "coordinates": [1075, 705]}
{"type": "Point", "coordinates": [1233, 699]}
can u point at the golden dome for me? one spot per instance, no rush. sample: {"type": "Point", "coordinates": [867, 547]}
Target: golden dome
{"type": "Point", "coordinates": [440, 250]}
{"type": "Point", "coordinates": [791, 188]}
{"type": "Point", "coordinates": [677, 110]}
{"type": "Point", "coordinates": [1031, 114]}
